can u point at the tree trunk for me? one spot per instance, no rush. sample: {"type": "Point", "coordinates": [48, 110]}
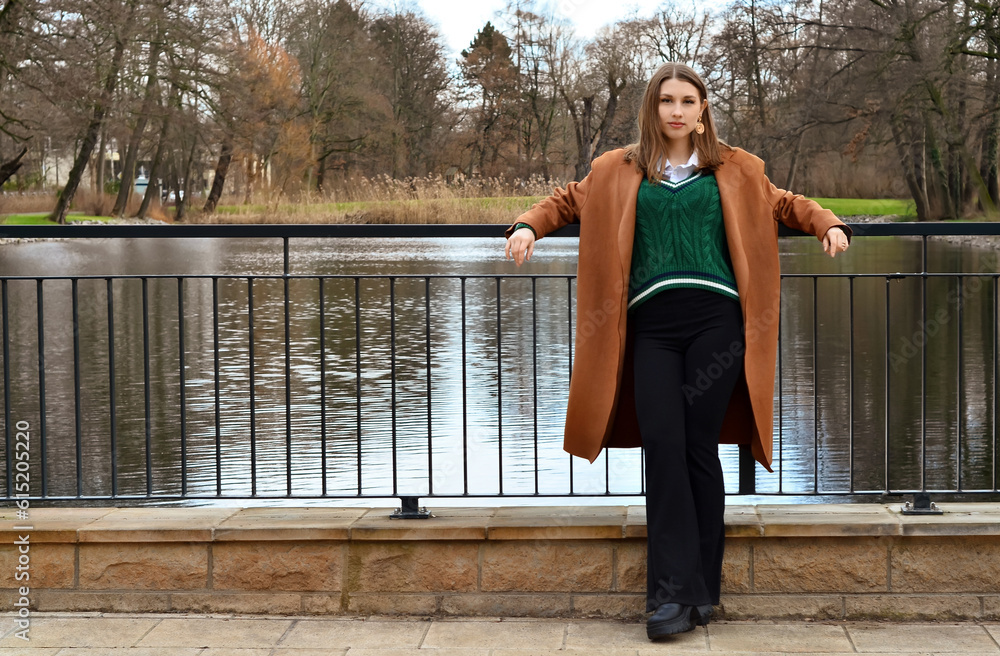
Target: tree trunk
{"type": "Point", "coordinates": [938, 191]}
{"type": "Point", "coordinates": [90, 136]}
{"type": "Point", "coordinates": [219, 181]}
{"type": "Point", "coordinates": [989, 170]}
{"type": "Point", "coordinates": [154, 169]}
{"type": "Point", "coordinates": [102, 150]}
{"type": "Point", "coordinates": [320, 174]}
{"type": "Point", "coordinates": [132, 152]}
{"type": "Point", "coordinates": [10, 167]}
{"type": "Point", "coordinates": [172, 186]}
{"type": "Point", "coordinates": [251, 171]}
{"type": "Point", "coordinates": [793, 166]}
{"type": "Point", "coordinates": [184, 188]}
{"type": "Point", "coordinates": [601, 138]}
{"type": "Point", "coordinates": [910, 167]}
{"type": "Point", "coordinates": [584, 139]}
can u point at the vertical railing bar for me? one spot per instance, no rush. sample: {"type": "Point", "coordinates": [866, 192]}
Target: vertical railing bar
{"type": "Point", "coordinates": [9, 454]}
{"type": "Point", "coordinates": [959, 414]}
{"type": "Point", "coordinates": [569, 350]}
{"type": "Point", "coordinates": [145, 387]}
{"type": "Point", "coordinates": [887, 388]}
{"type": "Point", "coordinates": [392, 380]}
{"type": "Point", "coordinates": [923, 373]}
{"type": "Point", "coordinates": [427, 337]}
{"type": "Point", "coordinates": [923, 254]}
{"type": "Point", "coordinates": [322, 385]}
{"type": "Point", "coordinates": [642, 471]}
{"type": "Point", "coordinates": [43, 433]}
{"type": "Point", "coordinates": [923, 364]}
{"type": "Point", "coordinates": [996, 362]}
{"type": "Point", "coordinates": [284, 247]}
{"type": "Point", "coordinates": [465, 407]}
{"type": "Point", "coordinates": [111, 386]}
{"type": "Point", "coordinates": [850, 384]}
{"type": "Point", "coordinates": [357, 369]}
{"type": "Point", "coordinates": [534, 375]}
{"type": "Point", "coordinates": [607, 471]}
{"type": "Point", "coordinates": [288, 374]}
{"type": "Point", "coordinates": [218, 398]}
{"type": "Point", "coordinates": [815, 384]}
{"type": "Point", "coordinates": [77, 405]}
{"type": "Point", "coordinates": [183, 382]}
{"type": "Point", "coordinates": [781, 396]}
{"type": "Point", "coordinates": [253, 391]}
{"type": "Point", "coordinates": [288, 378]}
{"type": "Point", "coordinates": [499, 394]}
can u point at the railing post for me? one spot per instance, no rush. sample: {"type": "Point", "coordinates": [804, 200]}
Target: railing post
{"type": "Point", "coordinates": [921, 505]}
{"type": "Point", "coordinates": [410, 509]}
{"type": "Point", "coordinates": [748, 473]}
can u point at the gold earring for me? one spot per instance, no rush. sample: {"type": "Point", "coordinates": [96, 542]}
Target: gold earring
{"type": "Point", "coordinates": [699, 127]}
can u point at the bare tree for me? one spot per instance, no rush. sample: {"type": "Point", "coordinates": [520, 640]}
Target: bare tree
{"type": "Point", "coordinates": [413, 80]}
{"type": "Point", "coordinates": [614, 61]}
{"type": "Point", "coordinates": [120, 19]}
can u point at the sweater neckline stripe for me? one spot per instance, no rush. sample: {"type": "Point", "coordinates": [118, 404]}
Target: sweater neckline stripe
{"type": "Point", "coordinates": [669, 184]}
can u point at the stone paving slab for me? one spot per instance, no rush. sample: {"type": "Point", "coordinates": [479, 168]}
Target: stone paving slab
{"type": "Point", "coordinates": [96, 634]}
{"type": "Point", "coordinates": [805, 519]}
{"type": "Point", "coordinates": [307, 523]}
{"type": "Point", "coordinates": [339, 633]}
{"type": "Point", "coordinates": [86, 631]}
{"type": "Point", "coordinates": [790, 638]}
{"type": "Point", "coordinates": [958, 519]}
{"type": "Point", "coordinates": [937, 638]}
{"type": "Point", "coordinates": [445, 524]}
{"type": "Point", "coordinates": [597, 634]}
{"type": "Point", "coordinates": [228, 633]}
{"type": "Point", "coordinates": [557, 522]}
{"type": "Point", "coordinates": [489, 634]}
{"type": "Point", "coordinates": [50, 524]}
{"type": "Point", "coordinates": [206, 524]}
{"type": "Point", "coordinates": [135, 651]}
{"type": "Point", "coordinates": [364, 651]}
{"type": "Point", "coordinates": [155, 525]}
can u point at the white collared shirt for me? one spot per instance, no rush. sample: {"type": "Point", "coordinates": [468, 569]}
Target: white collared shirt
{"type": "Point", "coordinates": [678, 173]}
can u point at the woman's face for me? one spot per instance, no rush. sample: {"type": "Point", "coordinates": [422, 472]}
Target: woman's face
{"type": "Point", "coordinates": [679, 108]}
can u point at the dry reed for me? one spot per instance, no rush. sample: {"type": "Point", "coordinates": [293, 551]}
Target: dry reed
{"type": "Point", "coordinates": [382, 199]}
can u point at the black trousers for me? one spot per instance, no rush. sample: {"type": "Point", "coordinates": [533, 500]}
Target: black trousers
{"type": "Point", "coordinates": [688, 355]}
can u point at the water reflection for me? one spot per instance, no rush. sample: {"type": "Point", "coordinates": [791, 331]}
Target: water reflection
{"type": "Point", "coordinates": [432, 374]}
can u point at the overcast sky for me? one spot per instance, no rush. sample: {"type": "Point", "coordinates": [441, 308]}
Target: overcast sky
{"type": "Point", "coordinates": [459, 20]}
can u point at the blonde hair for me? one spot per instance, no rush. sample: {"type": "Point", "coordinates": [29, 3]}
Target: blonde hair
{"type": "Point", "coordinates": [652, 145]}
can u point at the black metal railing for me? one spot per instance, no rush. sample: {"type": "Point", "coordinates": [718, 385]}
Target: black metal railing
{"type": "Point", "coordinates": [147, 457]}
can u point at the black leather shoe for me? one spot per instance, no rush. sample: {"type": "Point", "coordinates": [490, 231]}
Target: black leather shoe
{"type": "Point", "coordinates": [669, 619]}
{"type": "Point", "coordinates": [702, 614]}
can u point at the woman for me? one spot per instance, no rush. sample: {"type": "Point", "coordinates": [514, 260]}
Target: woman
{"type": "Point", "coordinates": [677, 323]}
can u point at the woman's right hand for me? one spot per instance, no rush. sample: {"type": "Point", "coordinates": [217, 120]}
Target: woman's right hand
{"type": "Point", "coordinates": [520, 245]}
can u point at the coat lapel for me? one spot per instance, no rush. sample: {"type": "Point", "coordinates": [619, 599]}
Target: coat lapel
{"type": "Point", "coordinates": [628, 184]}
{"type": "Point", "coordinates": [730, 178]}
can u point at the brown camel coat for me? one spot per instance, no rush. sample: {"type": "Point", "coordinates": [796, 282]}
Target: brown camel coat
{"type": "Point", "coordinates": [601, 407]}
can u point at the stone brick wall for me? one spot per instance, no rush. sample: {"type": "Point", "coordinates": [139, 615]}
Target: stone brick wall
{"type": "Point", "coordinates": [782, 561]}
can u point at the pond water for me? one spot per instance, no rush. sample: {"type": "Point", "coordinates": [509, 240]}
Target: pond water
{"type": "Point", "coordinates": [503, 411]}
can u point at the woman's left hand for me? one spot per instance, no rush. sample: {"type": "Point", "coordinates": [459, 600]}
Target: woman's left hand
{"type": "Point", "coordinates": [835, 241]}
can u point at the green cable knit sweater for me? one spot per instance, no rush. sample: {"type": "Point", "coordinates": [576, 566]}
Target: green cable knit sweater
{"type": "Point", "coordinates": [680, 239]}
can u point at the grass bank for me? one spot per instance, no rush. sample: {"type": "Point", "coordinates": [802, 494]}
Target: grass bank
{"type": "Point", "coordinates": [43, 219]}
{"type": "Point", "coordinates": [869, 206]}
{"type": "Point", "coordinates": [489, 210]}
{"type": "Point", "coordinates": [496, 210]}
{"type": "Point", "coordinates": [502, 209]}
